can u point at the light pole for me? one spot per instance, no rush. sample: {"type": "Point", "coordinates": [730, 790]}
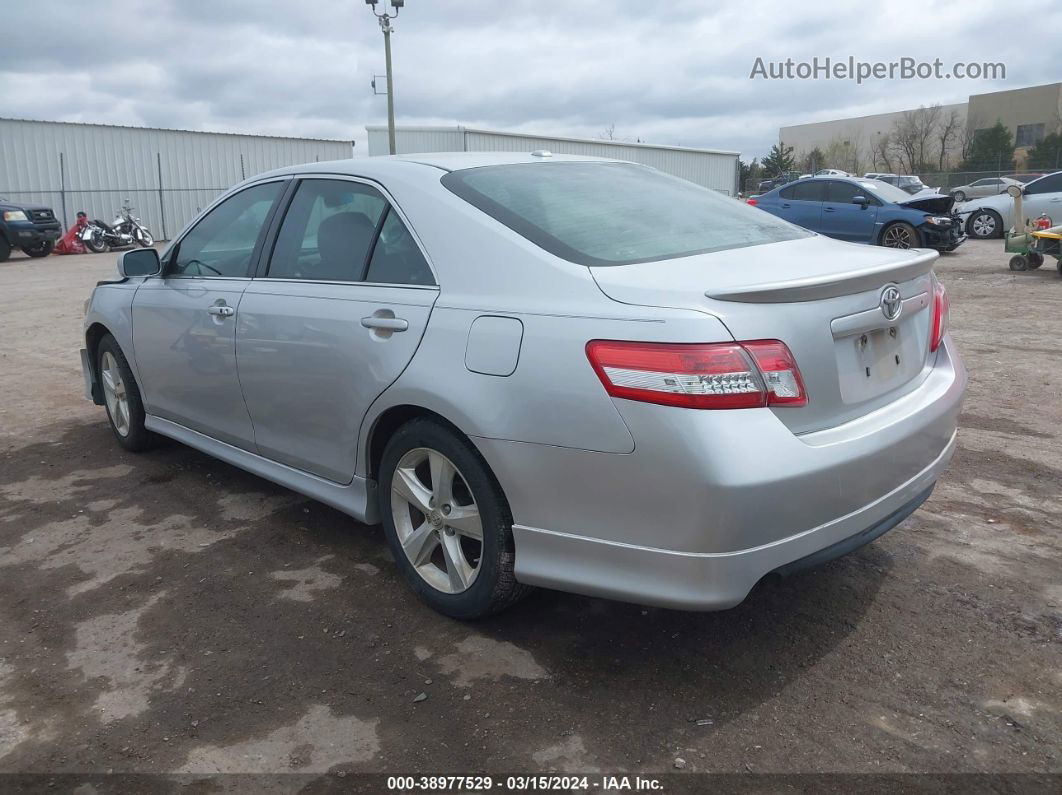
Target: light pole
{"type": "Point", "coordinates": [385, 26]}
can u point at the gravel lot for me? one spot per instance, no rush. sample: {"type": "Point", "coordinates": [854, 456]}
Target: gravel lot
{"type": "Point", "coordinates": [167, 612]}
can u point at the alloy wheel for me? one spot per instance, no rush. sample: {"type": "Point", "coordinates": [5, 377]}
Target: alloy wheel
{"type": "Point", "coordinates": [114, 393]}
{"type": "Point", "coordinates": [437, 520]}
{"type": "Point", "coordinates": [984, 225]}
{"type": "Point", "coordinates": [897, 237]}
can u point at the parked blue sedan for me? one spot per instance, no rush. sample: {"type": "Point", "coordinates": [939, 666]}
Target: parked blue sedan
{"type": "Point", "coordinates": [867, 211]}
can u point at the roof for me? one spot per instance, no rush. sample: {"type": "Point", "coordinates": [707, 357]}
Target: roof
{"type": "Point", "coordinates": [444, 161]}
{"type": "Point", "coordinates": [536, 137]}
{"type": "Point", "coordinates": [177, 129]}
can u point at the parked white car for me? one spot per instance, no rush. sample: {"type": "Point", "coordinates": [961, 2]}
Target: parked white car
{"type": "Point", "coordinates": [991, 216]}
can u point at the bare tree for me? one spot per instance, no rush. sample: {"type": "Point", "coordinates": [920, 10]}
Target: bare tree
{"type": "Point", "coordinates": [883, 152]}
{"type": "Point", "coordinates": [948, 130]}
{"type": "Point", "coordinates": [968, 135]}
{"type": "Point", "coordinates": [912, 134]}
{"type": "Point", "coordinates": [609, 133]}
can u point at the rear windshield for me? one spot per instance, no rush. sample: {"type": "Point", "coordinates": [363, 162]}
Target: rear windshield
{"type": "Point", "coordinates": [885, 191]}
{"type": "Point", "coordinates": [614, 213]}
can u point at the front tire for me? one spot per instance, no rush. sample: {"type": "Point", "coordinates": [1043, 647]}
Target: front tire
{"type": "Point", "coordinates": [900, 235]}
{"type": "Point", "coordinates": [42, 249]}
{"type": "Point", "coordinates": [125, 408]}
{"type": "Point", "coordinates": [959, 196]}
{"type": "Point", "coordinates": [5, 249]}
{"type": "Point", "coordinates": [985, 224]}
{"type": "Point", "coordinates": [144, 237]}
{"type": "Point", "coordinates": [447, 522]}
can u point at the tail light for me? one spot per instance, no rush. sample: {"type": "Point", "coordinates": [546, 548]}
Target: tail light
{"type": "Point", "coordinates": [941, 310]}
{"type": "Point", "coordinates": [753, 202]}
{"type": "Point", "coordinates": [727, 375]}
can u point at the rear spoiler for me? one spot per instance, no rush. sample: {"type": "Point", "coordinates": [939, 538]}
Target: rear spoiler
{"type": "Point", "coordinates": [814, 288]}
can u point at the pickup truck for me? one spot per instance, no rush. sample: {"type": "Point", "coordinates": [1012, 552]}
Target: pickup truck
{"type": "Point", "coordinates": [31, 228]}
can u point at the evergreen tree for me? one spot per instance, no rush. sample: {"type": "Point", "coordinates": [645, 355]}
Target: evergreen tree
{"type": "Point", "coordinates": [992, 149]}
{"type": "Point", "coordinates": [1047, 153]}
{"type": "Point", "coordinates": [779, 160]}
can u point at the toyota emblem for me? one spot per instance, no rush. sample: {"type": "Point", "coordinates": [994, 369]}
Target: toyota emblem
{"type": "Point", "coordinates": [891, 303]}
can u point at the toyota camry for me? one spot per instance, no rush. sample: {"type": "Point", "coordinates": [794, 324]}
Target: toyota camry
{"type": "Point", "coordinates": [541, 370]}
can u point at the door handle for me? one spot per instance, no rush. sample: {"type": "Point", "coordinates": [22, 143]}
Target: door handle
{"type": "Point", "coordinates": [785, 205]}
{"type": "Point", "coordinates": [385, 323]}
{"type": "Point", "coordinates": [827, 209]}
{"type": "Point", "coordinates": [220, 310]}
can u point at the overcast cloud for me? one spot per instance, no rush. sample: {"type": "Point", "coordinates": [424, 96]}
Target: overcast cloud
{"type": "Point", "coordinates": [673, 72]}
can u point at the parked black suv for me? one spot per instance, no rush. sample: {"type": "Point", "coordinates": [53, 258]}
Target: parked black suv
{"type": "Point", "coordinates": [32, 229]}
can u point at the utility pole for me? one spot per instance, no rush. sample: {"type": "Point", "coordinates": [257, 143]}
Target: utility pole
{"type": "Point", "coordinates": [385, 26]}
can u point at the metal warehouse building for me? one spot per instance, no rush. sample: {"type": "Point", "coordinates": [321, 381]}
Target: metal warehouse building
{"type": "Point", "coordinates": [167, 175]}
{"type": "Point", "coordinates": [712, 168]}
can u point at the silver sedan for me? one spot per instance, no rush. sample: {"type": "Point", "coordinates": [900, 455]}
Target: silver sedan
{"type": "Point", "coordinates": [539, 370]}
{"type": "Point", "coordinates": [989, 186]}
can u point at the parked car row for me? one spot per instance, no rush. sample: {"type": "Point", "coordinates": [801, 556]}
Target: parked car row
{"type": "Point", "coordinates": [991, 216]}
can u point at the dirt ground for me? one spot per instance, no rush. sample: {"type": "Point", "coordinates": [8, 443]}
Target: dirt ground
{"type": "Point", "coordinates": [167, 612]}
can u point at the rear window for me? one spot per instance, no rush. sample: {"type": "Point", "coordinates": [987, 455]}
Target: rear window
{"type": "Point", "coordinates": [614, 213]}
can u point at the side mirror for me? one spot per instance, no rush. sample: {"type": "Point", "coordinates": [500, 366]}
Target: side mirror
{"type": "Point", "coordinates": [860, 200]}
{"type": "Point", "coordinates": [139, 262]}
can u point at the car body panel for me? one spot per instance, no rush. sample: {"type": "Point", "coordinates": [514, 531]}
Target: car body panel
{"type": "Point", "coordinates": [186, 357]}
{"type": "Point", "coordinates": [310, 369]}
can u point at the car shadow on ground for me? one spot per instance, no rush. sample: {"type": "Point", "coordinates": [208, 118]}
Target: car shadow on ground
{"type": "Point", "coordinates": [167, 611]}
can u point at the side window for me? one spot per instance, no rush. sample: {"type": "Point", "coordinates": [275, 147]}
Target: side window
{"type": "Point", "coordinates": [838, 192]}
{"type": "Point", "coordinates": [786, 193]}
{"type": "Point", "coordinates": [223, 242]}
{"type": "Point", "coordinates": [810, 191]}
{"type": "Point", "coordinates": [1050, 184]}
{"type": "Point", "coordinates": [396, 258]}
{"type": "Point", "coordinates": [327, 231]}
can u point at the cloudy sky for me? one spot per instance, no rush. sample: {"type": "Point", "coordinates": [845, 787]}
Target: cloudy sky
{"type": "Point", "coordinates": [671, 72]}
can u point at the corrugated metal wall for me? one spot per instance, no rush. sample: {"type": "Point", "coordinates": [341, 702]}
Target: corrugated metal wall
{"type": "Point", "coordinates": [95, 167]}
{"type": "Point", "coordinates": [712, 169]}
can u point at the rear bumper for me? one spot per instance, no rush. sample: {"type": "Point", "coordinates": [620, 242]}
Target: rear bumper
{"type": "Point", "coordinates": [706, 581]}
{"type": "Point", "coordinates": [710, 502]}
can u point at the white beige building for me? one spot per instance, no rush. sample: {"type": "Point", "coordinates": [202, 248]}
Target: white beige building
{"type": "Point", "coordinates": [1029, 114]}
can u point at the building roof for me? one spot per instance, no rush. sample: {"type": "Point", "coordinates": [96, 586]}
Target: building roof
{"type": "Point", "coordinates": [533, 136]}
{"type": "Point", "coordinates": [177, 129]}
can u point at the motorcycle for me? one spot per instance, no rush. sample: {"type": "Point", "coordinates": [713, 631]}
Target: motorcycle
{"type": "Point", "coordinates": [126, 230]}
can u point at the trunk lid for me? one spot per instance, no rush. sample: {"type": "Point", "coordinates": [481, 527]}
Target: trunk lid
{"type": "Point", "coordinates": [822, 298]}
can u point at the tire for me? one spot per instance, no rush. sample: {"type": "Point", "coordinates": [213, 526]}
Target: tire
{"type": "Point", "coordinates": [5, 249]}
{"type": "Point", "coordinates": [40, 250]}
{"type": "Point", "coordinates": [1019, 263]}
{"type": "Point", "coordinates": [1036, 259]}
{"type": "Point", "coordinates": [143, 237]}
{"type": "Point", "coordinates": [455, 573]}
{"type": "Point", "coordinates": [96, 244]}
{"type": "Point", "coordinates": [121, 397]}
{"type": "Point", "coordinates": [959, 196]}
{"type": "Point", "coordinates": [985, 225]}
{"type": "Point", "coordinates": [900, 235]}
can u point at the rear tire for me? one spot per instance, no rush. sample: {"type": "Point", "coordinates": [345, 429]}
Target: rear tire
{"type": "Point", "coordinates": [125, 409]}
{"type": "Point", "coordinates": [96, 244]}
{"type": "Point", "coordinates": [1036, 259]}
{"type": "Point", "coordinates": [985, 225]}
{"type": "Point", "coordinates": [900, 235]}
{"type": "Point", "coordinates": [430, 475]}
{"type": "Point", "coordinates": [40, 250]}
